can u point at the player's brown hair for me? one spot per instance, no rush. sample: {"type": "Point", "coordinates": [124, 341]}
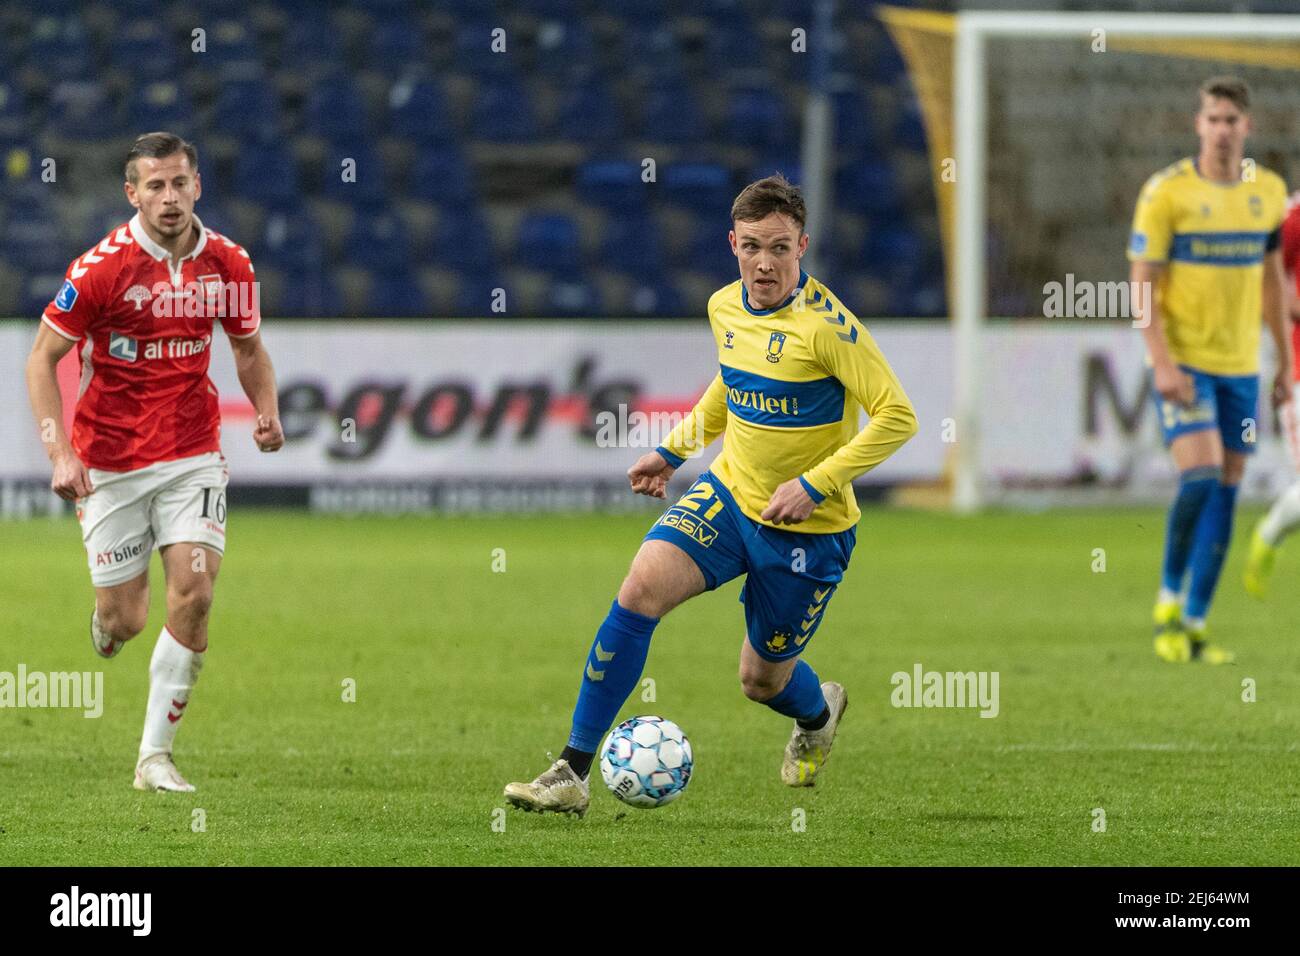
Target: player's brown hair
{"type": "Point", "coordinates": [766, 196]}
{"type": "Point", "coordinates": [1230, 88]}
{"type": "Point", "coordinates": [157, 146]}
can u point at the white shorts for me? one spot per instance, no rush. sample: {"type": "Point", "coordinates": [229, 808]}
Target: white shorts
{"type": "Point", "coordinates": [131, 513]}
{"type": "Point", "coordinates": [1291, 425]}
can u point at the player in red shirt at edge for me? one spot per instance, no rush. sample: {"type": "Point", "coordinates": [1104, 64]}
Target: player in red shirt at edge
{"type": "Point", "coordinates": [144, 463]}
{"type": "Point", "coordinates": [1284, 516]}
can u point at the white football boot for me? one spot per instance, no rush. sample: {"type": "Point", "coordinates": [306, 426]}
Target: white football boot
{"type": "Point", "coordinates": [807, 750]}
{"type": "Point", "coordinates": [159, 773]}
{"type": "Point", "coordinates": [559, 789]}
{"type": "Point", "coordinates": [105, 645]}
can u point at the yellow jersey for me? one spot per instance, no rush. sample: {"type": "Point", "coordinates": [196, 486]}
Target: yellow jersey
{"type": "Point", "coordinates": [1214, 237]}
{"type": "Point", "coordinates": [790, 385]}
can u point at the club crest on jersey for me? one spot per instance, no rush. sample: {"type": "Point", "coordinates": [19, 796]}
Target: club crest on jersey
{"type": "Point", "coordinates": [774, 346]}
{"type": "Point", "coordinates": [1256, 206]}
{"type": "Point", "coordinates": [67, 296]}
{"type": "Point", "coordinates": [122, 347]}
{"type": "Point", "coordinates": [728, 344]}
{"type": "Point", "coordinates": [212, 287]}
{"type": "Point", "coordinates": [139, 294]}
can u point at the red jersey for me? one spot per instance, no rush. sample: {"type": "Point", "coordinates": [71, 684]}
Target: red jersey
{"type": "Point", "coordinates": [1291, 263]}
{"type": "Point", "coordinates": [146, 333]}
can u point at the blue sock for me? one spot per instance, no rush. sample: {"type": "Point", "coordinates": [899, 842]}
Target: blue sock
{"type": "Point", "coordinates": [802, 697]}
{"type": "Point", "coordinates": [617, 657]}
{"type": "Point", "coordinates": [1213, 534]}
{"type": "Point", "coordinates": [1195, 486]}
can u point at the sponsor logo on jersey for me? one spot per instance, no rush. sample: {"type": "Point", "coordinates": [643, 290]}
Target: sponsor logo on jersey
{"type": "Point", "coordinates": [774, 346]}
{"type": "Point", "coordinates": [139, 294]}
{"type": "Point", "coordinates": [123, 347]}
{"type": "Point", "coordinates": [67, 296]}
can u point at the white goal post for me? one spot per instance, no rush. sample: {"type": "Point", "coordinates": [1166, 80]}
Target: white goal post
{"type": "Point", "coordinates": [970, 108]}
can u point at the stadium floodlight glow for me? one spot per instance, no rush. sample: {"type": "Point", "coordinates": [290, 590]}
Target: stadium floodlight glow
{"type": "Point", "coordinates": [973, 30]}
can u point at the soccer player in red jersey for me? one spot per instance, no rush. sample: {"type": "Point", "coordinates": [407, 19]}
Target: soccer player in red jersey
{"type": "Point", "coordinates": [144, 462]}
{"type": "Point", "coordinates": [1284, 516]}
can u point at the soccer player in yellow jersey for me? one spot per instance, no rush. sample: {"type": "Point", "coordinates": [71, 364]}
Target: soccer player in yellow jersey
{"type": "Point", "coordinates": [795, 369]}
{"type": "Point", "coordinates": [1206, 237]}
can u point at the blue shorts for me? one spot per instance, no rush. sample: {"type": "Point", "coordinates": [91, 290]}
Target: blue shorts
{"type": "Point", "coordinates": [1227, 402]}
{"type": "Point", "coordinates": [791, 576]}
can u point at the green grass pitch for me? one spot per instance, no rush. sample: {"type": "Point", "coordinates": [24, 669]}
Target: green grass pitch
{"type": "Point", "coordinates": [465, 679]}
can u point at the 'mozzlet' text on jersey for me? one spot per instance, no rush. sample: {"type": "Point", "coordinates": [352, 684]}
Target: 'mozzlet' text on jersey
{"type": "Point", "coordinates": [146, 337]}
{"type": "Point", "coordinates": [791, 383]}
{"type": "Point", "coordinates": [1214, 236]}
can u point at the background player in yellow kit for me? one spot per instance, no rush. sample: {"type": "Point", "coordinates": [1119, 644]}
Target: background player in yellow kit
{"type": "Point", "coordinates": [795, 369]}
{"type": "Point", "coordinates": [1206, 236]}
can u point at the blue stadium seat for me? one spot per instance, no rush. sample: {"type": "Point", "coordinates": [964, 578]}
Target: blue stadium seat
{"type": "Point", "coordinates": [612, 184]}
{"type": "Point", "coordinates": [867, 187]}
{"type": "Point", "coordinates": [395, 45]}
{"type": "Point", "coordinates": [757, 118]}
{"type": "Point", "coordinates": [588, 114]}
{"type": "Point", "coordinates": [571, 296]}
{"type": "Point", "coordinates": [731, 46]}
{"type": "Point", "coordinates": [650, 46]}
{"type": "Point", "coordinates": [229, 41]}
{"type": "Point", "coordinates": [334, 109]}
{"type": "Point", "coordinates": [463, 242]}
{"type": "Point", "coordinates": [311, 38]}
{"type": "Point", "coordinates": [502, 113]}
{"type": "Point", "coordinates": [560, 9]}
{"type": "Point", "coordinates": [710, 253]}
{"type": "Point", "coordinates": [440, 176]}
{"type": "Point", "coordinates": [632, 245]}
{"type": "Point", "coordinates": [379, 242]}
{"type": "Point", "coordinates": [474, 49]}
{"type": "Point", "coordinates": [368, 185]}
{"type": "Point", "coordinates": [637, 11]}
{"type": "Point", "coordinates": [671, 115]}
{"type": "Point", "coordinates": [854, 129]}
{"type": "Point", "coordinates": [564, 47]}
{"type": "Point", "coordinates": [143, 50]}
{"type": "Point", "coordinates": [548, 241]}
{"type": "Point", "coordinates": [266, 177]}
{"type": "Point", "coordinates": [704, 188]}
{"type": "Point", "coordinates": [397, 294]}
{"type": "Point", "coordinates": [909, 130]}
{"type": "Point", "coordinates": [657, 299]}
{"type": "Point", "coordinates": [311, 293]}
{"type": "Point", "coordinates": [82, 110]}
{"type": "Point", "coordinates": [475, 295]}
{"type": "Point", "coordinates": [162, 104]}
{"type": "Point", "coordinates": [290, 242]}
{"type": "Point", "coordinates": [13, 111]}
{"type": "Point", "coordinates": [894, 252]}
{"type": "Point", "coordinates": [61, 49]}
{"type": "Point", "coordinates": [787, 164]}
{"type": "Point", "coordinates": [34, 245]}
{"type": "Point", "coordinates": [416, 111]}
{"type": "Point", "coordinates": [245, 108]}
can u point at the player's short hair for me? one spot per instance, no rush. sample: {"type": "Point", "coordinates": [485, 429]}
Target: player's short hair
{"type": "Point", "coordinates": [1230, 88]}
{"type": "Point", "coordinates": [766, 196]}
{"type": "Point", "coordinates": [158, 146]}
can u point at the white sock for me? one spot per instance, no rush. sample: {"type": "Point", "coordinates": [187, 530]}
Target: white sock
{"type": "Point", "coordinates": [1167, 596]}
{"type": "Point", "coordinates": [1283, 517]}
{"type": "Point", "coordinates": [173, 672]}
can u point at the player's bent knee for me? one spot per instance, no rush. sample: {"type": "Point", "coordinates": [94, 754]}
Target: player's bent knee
{"type": "Point", "coordinates": [123, 620]}
{"type": "Point", "coordinates": [639, 595]}
{"type": "Point", "coordinates": [192, 598]}
{"type": "Point", "coordinates": [759, 688]}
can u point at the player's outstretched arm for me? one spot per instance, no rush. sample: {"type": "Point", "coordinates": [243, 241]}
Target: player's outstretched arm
{"type": "Point", "coordinates": [257, 376]}
{"type": "Point", "coordinates": [694, 433]}
{"type": "Point", "coordinates": [70, 480]}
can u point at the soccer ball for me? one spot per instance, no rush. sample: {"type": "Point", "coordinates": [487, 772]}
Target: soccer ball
{"type": "Point", "coordinates": [646, 761]}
